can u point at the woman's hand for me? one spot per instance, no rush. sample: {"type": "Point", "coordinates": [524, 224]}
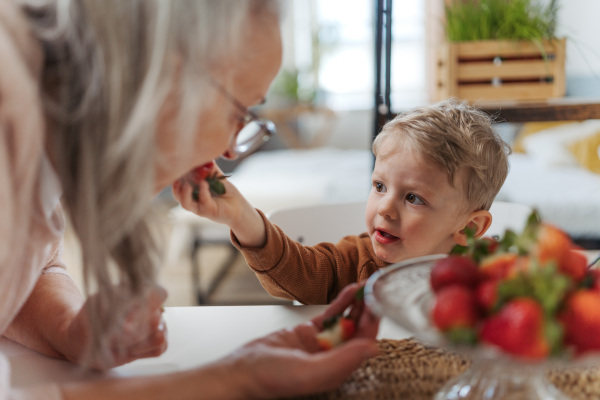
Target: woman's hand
{"type": "Point", "coordinates": [142, 334]}
{"type": "Point", "coordinates": [289, 362]}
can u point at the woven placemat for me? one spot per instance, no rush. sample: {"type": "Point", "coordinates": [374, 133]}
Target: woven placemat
{"type": "Point", "coordinates": [408, 369]}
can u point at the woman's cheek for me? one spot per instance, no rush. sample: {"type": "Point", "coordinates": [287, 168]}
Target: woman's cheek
{"type": "Point", "coordinates": [212, 139]}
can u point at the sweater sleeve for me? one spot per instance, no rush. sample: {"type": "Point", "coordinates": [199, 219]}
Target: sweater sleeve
{"type": "Point", "coordinates": [309, 274]}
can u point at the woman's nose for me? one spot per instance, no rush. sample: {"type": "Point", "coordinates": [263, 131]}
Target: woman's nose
{"type": "Point", "coordinates": [230, 153]}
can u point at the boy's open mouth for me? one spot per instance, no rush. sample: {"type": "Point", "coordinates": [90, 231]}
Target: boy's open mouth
{"type": "Point", "coordinates": [384, 237]}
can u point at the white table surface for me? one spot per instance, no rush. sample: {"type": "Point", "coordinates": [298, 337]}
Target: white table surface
{"type": "Point", "coordinates": [197, 335]}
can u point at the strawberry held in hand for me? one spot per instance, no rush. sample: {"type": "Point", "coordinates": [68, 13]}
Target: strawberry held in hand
{"type": "Point", "coordinates": [203, 172]}
{"type": "Point", "coordinates": [337, 331]}
{"type": "Point", "coordinates": [341, 327]}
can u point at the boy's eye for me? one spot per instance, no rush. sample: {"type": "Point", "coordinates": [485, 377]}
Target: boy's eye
{"type": "Point", "coordinates": [414, 199]}
{"type": "Point", "coordinates": [380, 187]}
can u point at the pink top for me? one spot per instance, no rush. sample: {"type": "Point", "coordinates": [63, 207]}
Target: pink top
{"type": "Point", "coordinates": [31, 222]}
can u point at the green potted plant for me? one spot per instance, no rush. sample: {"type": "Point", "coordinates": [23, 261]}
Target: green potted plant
{"type": "Point", "coordinates": [501, 49]}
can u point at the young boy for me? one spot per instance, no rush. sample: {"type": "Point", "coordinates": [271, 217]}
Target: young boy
{"type": "Point", "coordinates": [437, 171]}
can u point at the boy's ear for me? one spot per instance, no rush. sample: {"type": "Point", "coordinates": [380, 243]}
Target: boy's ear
{"type": "Point", "coordinates": [478, 220]}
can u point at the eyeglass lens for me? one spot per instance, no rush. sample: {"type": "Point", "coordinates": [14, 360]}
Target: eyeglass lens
{"type": "Point", "coordinates": [253, 135]}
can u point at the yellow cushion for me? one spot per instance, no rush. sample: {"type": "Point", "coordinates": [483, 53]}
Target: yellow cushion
{"type": "Point", "coordinates": [587, 151]}
{"type": "Point", "coordinates": [530, 128]}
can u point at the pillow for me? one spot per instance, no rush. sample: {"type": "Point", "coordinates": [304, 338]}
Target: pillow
{"type": "Point", "coordinates": [531, 128]}
{"type": "Point", "coordinates": [550, 147]}
{"type": "Point", "coordinates": [587, 151]}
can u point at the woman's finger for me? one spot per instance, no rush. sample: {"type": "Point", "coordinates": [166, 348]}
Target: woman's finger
{"type": "Point", "coordinates": [152, 346]}
{"type": "Point", "coordinates": [329, 369]}
{"type": "Point", "coordinates": [345, 298]}
{"type": "Point", "coordinates": [367, 325]}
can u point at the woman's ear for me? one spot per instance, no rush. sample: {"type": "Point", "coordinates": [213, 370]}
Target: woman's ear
{"type": "Point", "coordinates": [480, 221]}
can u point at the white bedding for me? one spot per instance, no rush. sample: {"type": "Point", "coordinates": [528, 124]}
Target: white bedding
{"type": "Point", "coordinates": [289, 178]}
{"type": "Point", "coordinates": [568, 197]}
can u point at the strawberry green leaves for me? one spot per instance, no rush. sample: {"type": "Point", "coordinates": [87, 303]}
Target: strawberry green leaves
{"type": "Point", "coordinates": [215, 184]}
{"type": "Point", "coordinates": [542, 284]}
{"type": "Point", "coordinates": [202, 172]}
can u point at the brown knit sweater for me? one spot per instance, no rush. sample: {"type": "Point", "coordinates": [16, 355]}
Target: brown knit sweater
{"type": "Point", "coordinates": [309, 274]}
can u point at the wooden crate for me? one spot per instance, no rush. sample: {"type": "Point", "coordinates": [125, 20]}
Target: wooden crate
{"type": "Point", "coordinates": [501, 70]}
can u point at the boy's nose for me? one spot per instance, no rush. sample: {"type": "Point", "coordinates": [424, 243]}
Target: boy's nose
{"type": "Point", "coordinates": [387, 208]}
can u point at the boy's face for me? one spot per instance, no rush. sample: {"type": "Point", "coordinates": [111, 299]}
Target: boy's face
{"type": "Point", "coordinates": [412, 209]}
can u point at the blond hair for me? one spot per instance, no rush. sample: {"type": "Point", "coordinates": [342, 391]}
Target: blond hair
{"type": "Point", "coordinates": [109, 66]}
{"type": "Point", "coordinates": [458, 138]}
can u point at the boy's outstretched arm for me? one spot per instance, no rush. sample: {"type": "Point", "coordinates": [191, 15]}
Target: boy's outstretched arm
{"type": "Point", "coordinates": [230, 207]}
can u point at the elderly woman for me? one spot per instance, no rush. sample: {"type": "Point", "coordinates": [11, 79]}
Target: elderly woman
{"type": "Point", "coordinates": [103, 104]}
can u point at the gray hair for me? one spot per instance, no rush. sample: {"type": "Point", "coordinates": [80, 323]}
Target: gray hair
{"type": "Point", "coordinates": [109, 66]}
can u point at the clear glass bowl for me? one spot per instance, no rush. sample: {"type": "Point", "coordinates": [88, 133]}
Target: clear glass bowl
{"type": "Point", "coordinates": [401, 292]}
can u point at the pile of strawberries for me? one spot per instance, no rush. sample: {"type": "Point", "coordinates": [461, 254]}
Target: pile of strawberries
{"type": "Point", "coordinates": [530, 294]}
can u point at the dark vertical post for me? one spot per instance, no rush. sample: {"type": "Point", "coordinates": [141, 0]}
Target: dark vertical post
{"type": "Point", "coordinates": [388, 58]}
{"type": "Point", "coordinates": [383, 21]}
{"type": "Point", "coordinates": [379, 10]}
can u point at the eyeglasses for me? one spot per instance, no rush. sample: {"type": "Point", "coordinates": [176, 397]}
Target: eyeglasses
{"type": "Point", "coordinates": [254, 132]}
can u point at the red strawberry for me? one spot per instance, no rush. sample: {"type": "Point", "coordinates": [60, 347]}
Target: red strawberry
{"type": "Point", "coordinates": [454, 270]}
{"type": "Point", "coordinates": [552, 244]}
{"type": "Point", "coordinates": [338, 332]}
{"type": "Point", "coordinates": [497, 266]}
{"type": "Point", "coordinates": [455, 307]}
{"type": "Point", "coordinates": [492, 244]}
{"type": "Point", "coordinates": [202, 172]}
{"type": "Point", "coordinates": [581, 320]}
{"type": "Point", "coordinates": [518, 329]}
{"type": "Point", "coordinates": [487, 294]}
{"type": "Point", "coordinates": [573, 264]}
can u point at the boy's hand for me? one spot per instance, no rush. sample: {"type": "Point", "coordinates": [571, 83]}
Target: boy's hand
{"type": "Point", "coordinates": [201, 196]}
{"type": "Point", "coordinates": [204, 172]}
{"type": "Point", "coordinates": [206, 191]}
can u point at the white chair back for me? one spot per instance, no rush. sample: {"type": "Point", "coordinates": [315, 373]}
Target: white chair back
{"type": "Point", "coordinates": [319, 223]}
{"type": "Point", "coordinates": [507, 215]}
